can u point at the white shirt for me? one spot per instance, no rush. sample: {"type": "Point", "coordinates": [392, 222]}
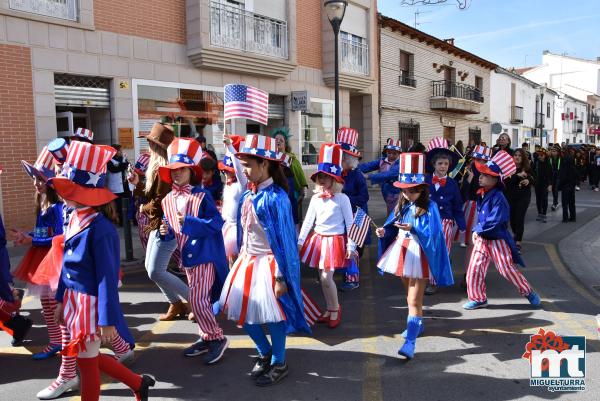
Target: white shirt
{"type": "Point", "coordinates": [331, 216]}
{"type": "Point", "coordinates": [232, 193]}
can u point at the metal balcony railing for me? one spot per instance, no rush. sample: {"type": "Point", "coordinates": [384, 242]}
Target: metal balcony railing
{"type": "Point", "coordinates": [234, 28]}
{"type": "Point", "coordinates": [516, 114]}
{"type": "Point", "coordinates": [407, 80]}
{"type": "Point", "coordinates": [354, 57]}
{"type": "Point", "coordinates": [456, 90]}
{"type": "Point", "coordinates": [63, 9]}
{"type": "Point", "coordinates": [593, 119]}
{"type": "Point", "coordinates": [539, 120]}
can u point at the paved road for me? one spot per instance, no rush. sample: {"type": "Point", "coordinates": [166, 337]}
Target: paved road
{"type": "Point", "coordinates": [463, 355]}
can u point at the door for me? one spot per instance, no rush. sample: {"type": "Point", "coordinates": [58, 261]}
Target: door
{"type": "Point", "coordinates": [449, 134]}
{"type": "Point", "coordinates": [450, 78]}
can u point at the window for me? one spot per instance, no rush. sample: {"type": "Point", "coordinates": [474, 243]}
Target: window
{"type": "Point", "coordinates": [354, 53]}
{"type": "Point", "coordinates": [548, 110]}
{"type": "Point", "coordinates": [475, 136]}
{"type": "Point", "coordinates": [409, 131]}
{"type": "Point", "coordinates": [407, 69]}
{"type": "Point", "coordinates": [479, 83]}
{"type": "Point", "coordinates": [317, 127]}
{"type": "Point", "coordinates": [576, 113]}
{"type": "Point", "coordinates": [62, 9]}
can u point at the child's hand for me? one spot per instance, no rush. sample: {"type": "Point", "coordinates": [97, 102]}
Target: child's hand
{"type": "Point", "coordinates": [403, 226]}
{"type": "Point", "coordinates": [280, 288]}
{"type": "Point", "coordinates": [227, 139]}
{"type": "Point", "coordinates": [181, 218]}
{"type": "Point", "coordinates": [58, 314]}
{"type": "Point", "coordinates": [133, 178]}
{"type": "Point", "coordinates": [549, 188]}
{"type": "Point", "coordinates": [349, 254]}
{"type": "Point", "coordinates": [474, 236]}
{"type": "Point", "coordinates": [107, 333]}
{"type": "Point", "coordinates": [163, 230]}
{"type": "Point", "coordinates": [380, 232]}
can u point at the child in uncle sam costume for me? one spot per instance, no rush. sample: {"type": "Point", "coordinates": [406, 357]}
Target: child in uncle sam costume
{"type": "Point", "coordinates": [470, 182]}
{"type": "Point", "coordinates": [355, 188]}
{"type": "Point", "coordinates": [235, 186]}
{"type": "Point", "coordinates": [49, 223]}
{"type": "Point", "coordinates": [444, 191]}
{"type": "Point", "coordinates": [388, 171]}
{"type": "Point", "coordinates": [87, 294]}
{"type": "Point", "coordinates": [10, 299]}
{"type": "Point", "coordinates": [328, 248]}
{"type": "Point", "coordinates": [263, 286]}
{"type": "Point", "coordinates": [412, 245]}
{"type": "Point", "coordinates": [192, 218]}
{"type": "Point", "coordinates": [491, 238]}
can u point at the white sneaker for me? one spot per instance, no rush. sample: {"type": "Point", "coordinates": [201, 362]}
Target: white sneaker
{"type": "Point", "coordinates": [126, 357]}
{"type": "Point", "coordinates": [577, 188]}
{"type": "Point", "coordinates": [463, 245]}
{"type": "Point", "coordinates": [596, 189]}
{"type": "Point", "coordinates": [56, 389]}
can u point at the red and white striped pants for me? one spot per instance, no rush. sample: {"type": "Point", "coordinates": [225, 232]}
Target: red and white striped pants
{"type": "Point", "coordinates": [470, 210]}
{"type": "Point", "coordinates": [448, 230]}
{"type": "Point", "coordinates": [200, 281]}
{"type": "Point", "coordinates": [48, 308]}
{"type": "Point", "coordinates": [484, 251]}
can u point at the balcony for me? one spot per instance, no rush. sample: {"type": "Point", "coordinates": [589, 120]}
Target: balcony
{"type": "Point", "coordinates": [407, 80]}
{"type": "Point", "coordinates": [516, 114]}
{"type": "Point", "coordinates": [539, 120]}
{"type": "Point", "coordinates": [354, 57]}
{"type": "Point", "coordinates": [455, 97]}
{"type": "Point", "coordinates": [593, 119]}
{"type": "Point", "coordinates": [62, 9]}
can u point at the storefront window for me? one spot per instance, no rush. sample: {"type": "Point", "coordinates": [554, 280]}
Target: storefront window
{"type": "Point", "coordinates": [317, 127]}
{"type": "Point", "coordinates": [192, 111]}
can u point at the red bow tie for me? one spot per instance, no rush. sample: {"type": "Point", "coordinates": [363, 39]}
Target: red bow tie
{"type": "Point", "coordinates": [482, 191]}
{"type": "Point", "coordinates": [437, 180]}
{"type": "Point", "coordinates": [182, 190]}
{"type": "Point", "coordinates": [326, 195]}
{"type": "Point", "coordinates": [252, 186]}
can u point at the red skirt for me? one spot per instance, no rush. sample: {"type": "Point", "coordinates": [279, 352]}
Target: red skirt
{"type": "Point", "coordinates": [28, 268]}
{"type": "Point", "coordinates": [327, 252]}
{"type": "Point", "coordinates": [48, 272]}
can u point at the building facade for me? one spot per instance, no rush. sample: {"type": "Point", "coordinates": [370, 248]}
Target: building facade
{"type": "Point", "coordinates": [116, 67]}
{"type": "Point", "coordinates": [571, 122]}
{"type": "Point", "coordinates": [429, 87]}
{"type": "Point", "coordinates": [524, 110]}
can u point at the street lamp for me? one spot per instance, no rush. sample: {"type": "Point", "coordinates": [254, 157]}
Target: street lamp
{"type": "Point", "coordinates": [335, 10]}
{"type": "Point", "coordinates": [541, 124]}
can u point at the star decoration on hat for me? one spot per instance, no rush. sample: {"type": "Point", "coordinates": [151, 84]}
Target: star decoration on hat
{"type": "Point", "coordinates": [403, 178]}
{"type": "Point", "coordinates": [254, 151]}
{"type": "Point", "coordinates": [94, 178]}
{"type": "Point", "coordinates": [414, 178]}
{"type": "Point", "coordinates": [268, 153]}
{"type": "Point", "coordinates": [333, 169]}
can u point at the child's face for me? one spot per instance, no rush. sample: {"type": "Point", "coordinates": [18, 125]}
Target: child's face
{"type": "Point", "coordinates": [412, 194]}
{"type": "Point", "coordinates": [40, 185]}
{"type": "Point", "coordinates": [487, 181]}
{"type": "Point", "coordinates": [392, 155]}
{"type": "Point", "coordinates": [207, 175]}
{"type": "Point", "coordinates": [181, 176]}
{"type": "Point", "coordinates": [256, 171]}
{"type": "Point", "coordinates": [73, 204]}
{"type": "Point", "coordinates": [441, 167]}
{"type": "Point", "coordinates": [324, 180]}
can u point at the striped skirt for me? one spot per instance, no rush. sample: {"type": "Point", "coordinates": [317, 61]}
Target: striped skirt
{"type": "Point", "coordinates": [326, 252]}
{"type": "Point", "coordinates": [404, 258]}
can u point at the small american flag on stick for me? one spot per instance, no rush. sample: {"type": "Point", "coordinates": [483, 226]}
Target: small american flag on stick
{"type": "Point", "coordinates": [360, 227]}
{"type": "Point", "coordinates": [243, 101]}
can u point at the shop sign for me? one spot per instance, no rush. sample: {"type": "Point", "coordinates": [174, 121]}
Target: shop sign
{"type": "Point", "coordinates": [300, 101]}
{"type": "Point", "coordinates": [123, 84]}
{"type": "Point", "coordinates": [126, 138]}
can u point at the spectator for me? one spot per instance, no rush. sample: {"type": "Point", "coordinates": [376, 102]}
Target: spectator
{"type": "Point", "coordinates": [525, 147]}
{"type": "Point", "coordinates": [555, 162]}
{"type": "Point", "coordinates": [460, 147]}
{"type": "Point", "coordinates": [117, 180]}
{"type": "Point", "coordinates": [518, 193]}
{"type": "Point", "coordinates": [567, 180]}
{"type": "Point", "coordinates": [202, 140]}
{"type": "Point", "coordinates": [503, 143]}
{"type": "Point", "coordinates": [543, 183]}
{"type": "Point", "coordinates": [211, 179]}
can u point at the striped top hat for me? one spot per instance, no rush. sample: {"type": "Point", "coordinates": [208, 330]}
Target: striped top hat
{"type": "Point", "coordinates": [84, 133]}
{"type": "Point", "coordinates": [260, 146]}
{"type": "Point", "coordinates": [502, 164]}
{"type": "Point", "coordinates": [43, 167]}
{"type": "Point", "coordinates": [439, 145]}
{"type": "Point", "coordinates": [227, 163]}
{"type": "Point", "coordinates": [347, 138]}
{"type": "Point", "coordinates": [330, 162]}
{"type": "Point", "coordinates": [286, 160]}
{"type": "Point", "coordinates": [481, 152]}
{"type": "Point", "coordinates": [141, 164]}
{"type": "Point", "coordinates": [182, 152]}
{"type": "Point", "coordinates": [393, 144]}
{"type": "Point", "coordinates": [85, 174]}
{"type": "Point", "coordinates": [412, 170]}
{"type": "Point", "coordinates": [59, 149]}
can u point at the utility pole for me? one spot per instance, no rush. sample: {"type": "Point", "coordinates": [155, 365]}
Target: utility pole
{"type": "Point", "coordinates": [417, 13]}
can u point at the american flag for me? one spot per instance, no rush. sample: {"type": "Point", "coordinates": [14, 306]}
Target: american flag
{"type": "Point", "coordinates": [311, 309]}
{"type": "Point", "coordinates": [243, 101]}
{"type": "Point", "coordinates": [360, 227]}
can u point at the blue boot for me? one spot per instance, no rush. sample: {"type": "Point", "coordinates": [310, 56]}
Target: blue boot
{"type": "Point", "coordinates": [413, 326]}
{"type": "Point", "coordinates": [421, 330]}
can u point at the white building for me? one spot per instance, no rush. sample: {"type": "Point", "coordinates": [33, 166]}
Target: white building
{"type": "Point", "coordinates": [571, 122]}
{"type": "Point", "coordinates": [522, 108]}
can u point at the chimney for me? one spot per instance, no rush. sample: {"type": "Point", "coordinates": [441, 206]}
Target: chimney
{"type": "Point", "coordinates": [449, 41]}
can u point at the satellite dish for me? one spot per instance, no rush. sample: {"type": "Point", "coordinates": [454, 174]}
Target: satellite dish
{"type": "Point", "coordinates": [496, 128]}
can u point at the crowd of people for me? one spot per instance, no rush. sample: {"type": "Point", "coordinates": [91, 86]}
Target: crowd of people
{"type": "Point", "coordinates": [234, 227]}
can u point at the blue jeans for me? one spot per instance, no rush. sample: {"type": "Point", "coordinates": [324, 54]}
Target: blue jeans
{"type": "Point", "coordinates": [158, 254]}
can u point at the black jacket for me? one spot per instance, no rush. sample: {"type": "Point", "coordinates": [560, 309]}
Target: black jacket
{"type": "Point", "coordinates": [543, 173]}
{"type": "Point", "coordinates": [567, 176]}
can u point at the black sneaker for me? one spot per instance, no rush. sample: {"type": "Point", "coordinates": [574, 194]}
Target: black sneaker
{"type": "Point", "coordinates": [198, 348]}
{"type": "Point", "coordinates": [430, 289]}
{"type": "Point", "coordinates": [260, 366]}
{"type": "Point", "coordinates": [20, 326]}
{"type": "Point", "coordinates": [554, 207]}
{"type": "Point", "coordinates": [216, 348]}
{"type": "Point", "coordinates": [274, 375]}
{"type": "Point", "coordinates": [147, 382]}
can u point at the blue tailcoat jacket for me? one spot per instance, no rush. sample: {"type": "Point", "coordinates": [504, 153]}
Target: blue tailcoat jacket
{"type": "Point", "coordinates": [492, 221]}
{"type": "Point", "coordinates": [273, 210]}
{"type": "Point", "coordinates": [428, 230]}
{"type": "Point", "coordinates": [91, 266]}
{"type": "Point", "coordinates": [449, 201]}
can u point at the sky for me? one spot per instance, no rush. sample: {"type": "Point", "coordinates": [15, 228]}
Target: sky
{"type": "Point", "coordinates": [510, 33]}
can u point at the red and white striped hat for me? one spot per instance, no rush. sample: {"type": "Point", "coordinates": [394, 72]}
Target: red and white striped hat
{"type": "Point", "coordinates": [84, 133]}
{"type": "Point", "coordinates": [393, 144]}
{"type": "Point", "coordinates": [85, 174]}
{"type": "Point", "coordinates": [330, 162]}
{"type": "Point", "coordinates": [43, 167]}
{"type": "Point", "coordinates": [286, 160]}
{"type": "Point", "coordinates": [439, 145]}
{"type": "Point", "coordinates": [260, 146]}
{"type": "Point", "coordinates": [182, 152]}
{"type": "Point", "coordinates": [437, 142]}
{"type": "Point", "coordinates": [481, 152]}
{"type": "Point", "coordinates": [141, 164]}
{"type": "Point", "coordinates": [502, 164]}
{"type": "Point", "coordinates": [412, 170]}
{"type": "Point", "coordinates": [347, 138]}
{"type": "Point", "coordinates": [59, 149]}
